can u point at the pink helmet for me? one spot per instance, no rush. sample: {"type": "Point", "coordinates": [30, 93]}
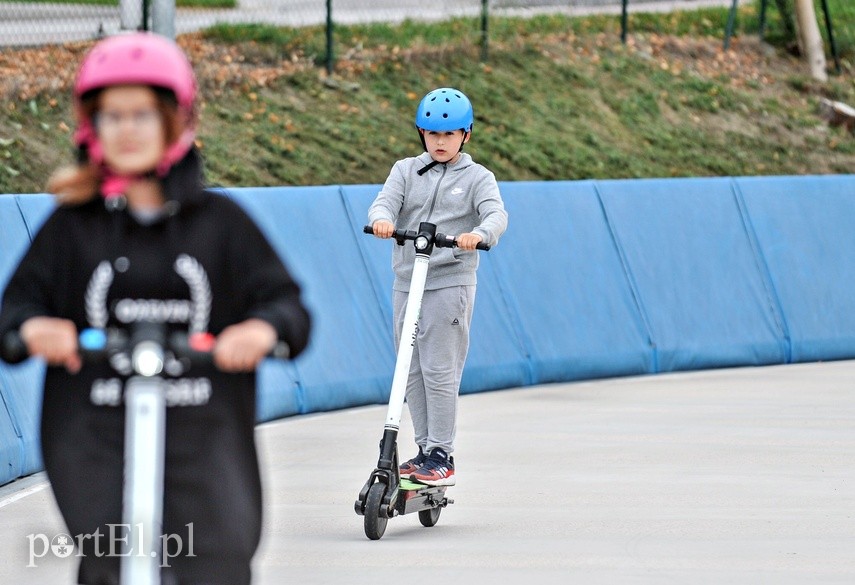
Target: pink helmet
{"type": "Point", "coordinates": [136, 59]}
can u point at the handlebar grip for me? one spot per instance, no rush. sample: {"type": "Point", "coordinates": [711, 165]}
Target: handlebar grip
{"type": "Point", "coordinates": [180, 344]}
{"type": "Point", "coordinates": [280, 351]}
{"type": "Point", "coordinates": [368, 229]}
{"type": "Point", "coordinates": [13, 349]}
{"type": "Point", "coordinates": [185, 347]}
{"type": "Point", "coordinates": [482, 246]}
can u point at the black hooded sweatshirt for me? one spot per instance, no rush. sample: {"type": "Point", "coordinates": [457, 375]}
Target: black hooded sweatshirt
{"type": "Point", "coordinates": [202, 266]}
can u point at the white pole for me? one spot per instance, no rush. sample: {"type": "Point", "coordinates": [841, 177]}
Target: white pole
{"type": "Point", "coordinates": [130, 14]}
{"type": "Point", "coordinates": [163, 17]}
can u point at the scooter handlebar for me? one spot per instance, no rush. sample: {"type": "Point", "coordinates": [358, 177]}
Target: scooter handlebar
{"type": "Point", "coordinates": [97, 345]}
{"type": "Point", "coordinates": [440, 240]}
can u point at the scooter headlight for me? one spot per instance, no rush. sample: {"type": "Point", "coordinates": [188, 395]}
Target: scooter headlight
{"type": "Point", "coordinates": [147, 359]}
{"type": "Point", "coordinates": [422, 243]}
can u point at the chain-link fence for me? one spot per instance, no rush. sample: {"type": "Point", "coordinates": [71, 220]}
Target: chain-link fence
{"type": "Point", "coordinates": [49, 22]}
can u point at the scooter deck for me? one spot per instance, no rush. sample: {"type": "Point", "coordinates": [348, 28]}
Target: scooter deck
{"type": "Point", "coordinates": [408, 485]}
{"type": "Point", "coordinates": [416, 497]}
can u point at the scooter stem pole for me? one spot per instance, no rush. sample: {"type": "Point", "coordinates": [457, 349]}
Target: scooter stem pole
{"type": "Point", "coordinates": [407, 341]}
{"type": "Point", "coordinates": [143, 494]}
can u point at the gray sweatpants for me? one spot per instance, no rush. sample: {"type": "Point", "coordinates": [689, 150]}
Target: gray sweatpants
{"type": "Point", "coordinates": [439, 353]}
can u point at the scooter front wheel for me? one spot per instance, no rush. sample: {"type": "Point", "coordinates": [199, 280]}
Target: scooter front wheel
{"type": "Point", "coordinates": [375, 525]}
{"type": "Point", "coordinates": [430, 516]}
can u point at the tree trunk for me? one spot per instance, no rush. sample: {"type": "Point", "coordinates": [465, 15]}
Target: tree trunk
{"type": "Point", "coordinates": [810, 39]}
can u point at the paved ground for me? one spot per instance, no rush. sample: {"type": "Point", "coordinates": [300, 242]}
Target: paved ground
{"type": "Point", "coordinates": [23, 24]}
{"type": "Point", "coordinates": [739, 476]}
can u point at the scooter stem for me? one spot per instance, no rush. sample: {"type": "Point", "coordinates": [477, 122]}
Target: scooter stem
{"type": "Point", "coordinates": [408, 341]}
{"type": "Point", "coordinates": [143, 492]}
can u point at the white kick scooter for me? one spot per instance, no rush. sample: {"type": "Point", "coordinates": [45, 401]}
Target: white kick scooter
{"type": "Point", "coordinates": [385, 495]}
{"type": "Point", "coordinates": [145, 429]}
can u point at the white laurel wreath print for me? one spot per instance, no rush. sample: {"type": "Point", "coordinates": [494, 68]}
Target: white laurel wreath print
{"type": "Point", "coordinates": [96, 295]}
{"type": "Point", "coordinates": [200, 291]}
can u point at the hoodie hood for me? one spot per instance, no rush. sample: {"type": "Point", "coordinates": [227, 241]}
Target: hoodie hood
{"type": "Point", "coordinates": [184, 183]}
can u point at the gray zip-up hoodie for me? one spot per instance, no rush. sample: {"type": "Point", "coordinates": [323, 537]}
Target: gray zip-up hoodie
{"type": "Point", "coordinates": [459, 198]}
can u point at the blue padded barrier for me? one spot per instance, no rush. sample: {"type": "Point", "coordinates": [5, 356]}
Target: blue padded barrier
{"type": "Point", "coordinates": [565, 285]}
{"type": "Point", "coordinates": [592, 279]}
{"type": "Point", "coordinates": [804, 229]}
{"type": "Point", "coordinates": [20, 396]}
{"type": "Point", "coordinates": [689, 257]}
{"type": "Point", "coordinates": [344, 364]}
{"type": "Point", "coordinates": [14, 237]}
{"type": "Point", "coordinates": [278, 391]}
{"type": "Point", "coordinates": [35, 210]}
{"type": "Point", "coordinates": [376, 254]}
{"type": "Point", "coordinates": [10, 444]}
{"type": "Point", "coordinates": [496, 357]}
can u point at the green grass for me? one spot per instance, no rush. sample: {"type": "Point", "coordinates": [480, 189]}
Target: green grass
{"type": "Point", "coordinates": [559, 99]}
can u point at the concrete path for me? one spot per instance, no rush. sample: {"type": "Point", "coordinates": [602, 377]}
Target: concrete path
{"type": "Point", "coordinates": [740, 476]}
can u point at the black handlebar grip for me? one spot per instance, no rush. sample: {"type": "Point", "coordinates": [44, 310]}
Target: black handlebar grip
{"type": "Point", "coordinates": [13, 349]}
{"type": "Point", "coordinates": [444, 241]}
{"type": "Point", "coordinates": [368, 229]}
{"type": "Point", "coordinates": [179, 343]}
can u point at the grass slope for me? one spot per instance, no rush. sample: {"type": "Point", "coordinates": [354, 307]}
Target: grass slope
{"type": "Point", "coordinates": [557, 98]}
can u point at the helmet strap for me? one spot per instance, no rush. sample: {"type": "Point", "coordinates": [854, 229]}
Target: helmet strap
{"type": "Point", "coordinates": [427, 167]}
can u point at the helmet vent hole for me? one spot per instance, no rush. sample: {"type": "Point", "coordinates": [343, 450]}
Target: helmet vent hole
{"type": "Point", "coordinates": [445, 115]}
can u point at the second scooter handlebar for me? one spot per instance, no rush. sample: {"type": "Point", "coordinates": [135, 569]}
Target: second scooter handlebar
{"type": "Point", "coordinates": [96, 345]}
{"type": "Point", "coordinates": [440, 240]}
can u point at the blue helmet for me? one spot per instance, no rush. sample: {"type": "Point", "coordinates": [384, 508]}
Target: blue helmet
{"type": "Point", "coordinates": [445, 109]}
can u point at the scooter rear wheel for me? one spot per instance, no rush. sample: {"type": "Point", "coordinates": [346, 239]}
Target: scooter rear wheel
{"type": "Point", "coordinates": [430, 517]}
{"type": "Point", "coordinates": [375, 525]}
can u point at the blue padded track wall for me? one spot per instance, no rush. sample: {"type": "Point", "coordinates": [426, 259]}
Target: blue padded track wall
{"type": "Point", "coordinates": [20, 386]}
{"type": "Point", "coordinates": [593, 279]}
